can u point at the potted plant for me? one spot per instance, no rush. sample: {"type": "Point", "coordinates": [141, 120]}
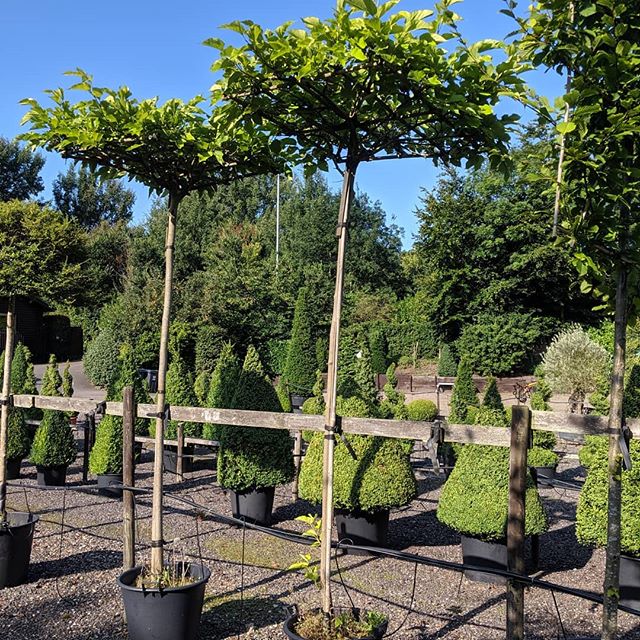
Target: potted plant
{"type": "Point", "coordinates": [53, 448]}
{"type": "Point", "coordinates": [18, 443]}
{"type": "Point", "coordinates": [542, 457]}
{"type": "Point", "coordinates": [252, 462]}
{"type": "Point", "coordinates": [591, 515]}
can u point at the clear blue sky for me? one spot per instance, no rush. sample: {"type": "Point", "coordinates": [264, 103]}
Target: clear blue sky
{"type": "Point", "coordinates": [154, 47]}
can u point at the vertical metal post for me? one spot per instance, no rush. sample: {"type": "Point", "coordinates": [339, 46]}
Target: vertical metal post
{"type": "Point", "coordinates": [128, 479]}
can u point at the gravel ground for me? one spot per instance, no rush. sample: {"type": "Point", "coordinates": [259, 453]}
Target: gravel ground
{"type": "Point", "coordinates": [72, 592]}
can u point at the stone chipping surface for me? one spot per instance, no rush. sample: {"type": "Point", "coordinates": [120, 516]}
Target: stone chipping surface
{"type": "Point", "coordinates": [72, 593]}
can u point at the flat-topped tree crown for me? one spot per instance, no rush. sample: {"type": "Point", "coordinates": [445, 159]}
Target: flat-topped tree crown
{"type": "Point", "coordinates": [370, 85]}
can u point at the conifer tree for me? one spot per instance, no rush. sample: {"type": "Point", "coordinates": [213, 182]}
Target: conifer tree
{"type": "Point", "coordinates": [51, 380]}
{"type": "Point", "coordinates": [464, 394]}
{"type": "Point", "coordinates": [180, 392]}
{"type": "Point", "coordinates": [19, 369]}
{"type": "Point", "coordinates": [300, 366]}
{"type": "Point", "coordinates": [365, 379]}
{"type": "Point", "coordinates": [492, 399]}
{"type": "Point", "coordinates": [447, 366]}
{"type": "Point", "coordinates": [67, 382]}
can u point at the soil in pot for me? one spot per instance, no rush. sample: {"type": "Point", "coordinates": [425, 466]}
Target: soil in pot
{"type": "Point", "coordinates": [362, 528]}
{"type": "Point", "coordinates": [105, 482]}
{"type": "Point", "coordinates": [254, 506]}
{"type": "Point", "coordinates": [630, 582]}
{"type": "Point", "coordinates": [492, 555]}
{"type": "Point", "coordinates": [170, 458]}
{"type": "Point", "coordinates": [168, 613]}
{"type": "Point", "coordinates": [345, 624]}
{"type": "Point", "coordinates": [16, 539]}
{"type": "Point", "coordinates": [13, 468]}
{"type": "Point", "coordinates": [52, 476]}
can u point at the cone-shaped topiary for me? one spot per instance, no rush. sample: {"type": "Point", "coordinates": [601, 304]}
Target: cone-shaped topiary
{"type": "Point", "coordinates": [67, 381]}
{"type": "Point", "coordinates": [53, 444]}
{"type": "Point", "coordinates": [591, 516]}
{"type": "Point", "coordinates": [18, 442]}
{"type": "Point", "coordinates": [51, 380]}
{"type": "Point", "coordinates": [201, 387]}
{"type": "Point", "coordinates": [254, 458]}
{"type": "Point", "coordinates": [475, 498]}
{"type": "Point", "coordinates": [364, 377]}
{"type": "Point", "coordinates": [106, 454]}
{"type": "Point", "coordinates": [300, 365]}
{"type": "Point", "coordinates": [491, 398]}
{"type": "Point", "coordinates": [19, 369]}
{"type": "Point", "coordinates": [222, 386]}
{"type": "Point", "coordinates": [464, 394]}
{"type": "Point", "coordinates": [180, 393]}
{"type": "Point", "coordinates": [380, 478]}
{"type": "Point", "coordinates": [447, 366]}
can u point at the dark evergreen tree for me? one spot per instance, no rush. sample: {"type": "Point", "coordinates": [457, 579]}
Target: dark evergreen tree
{"type": "Point", "coordinates": [464, 395]}
{"type": "Point", "coordinates": [300, 366]}
{"type": "Point", "coordinates": [491, 398]}
{"type": "Point", "coordinates": [447, 365]}
{"type": "Point", "coordinates": [180, 393]}
{"type": "Point", "coordinates": [222, 386]}
{"type": "Point", "coordinates": [19, 369]}
{"type": "Point", "coordinates": [51, 380]}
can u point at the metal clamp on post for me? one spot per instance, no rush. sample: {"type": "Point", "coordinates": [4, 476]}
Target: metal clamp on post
{"type": "Point", "coordinates": [340, 228]}
{"type": "Point", "coordinates": [436, 438]}
{"type": "Point", "coordinates": [155, 544]}
{"type": "Point", "coordinates": [163, 415]}
{"type": "Point", "coordinates": [101, 408]}
{"type": "Point", "coordinates": [338, 431]}
{"type": "Point", "coordinates": [625, 438]}
{"type": "Point", "coordinates": [6, 402]}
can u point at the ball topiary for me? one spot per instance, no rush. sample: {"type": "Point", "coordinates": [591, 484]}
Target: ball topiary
{"type": "Point", "coordinates": [380, 478]}
{"type": "Point", "coordinates": [422, 410]}
{"type": "Point", "coordinates": [106, 454]}
{"type": "Point", "coordinates": [53, 444]}
{"type": "Point", "coordinates": [101, 359]}
{"type": "Point", "coordinates": [464, 394]}
{"type": "Point", "coordinates": [475, 498]}
{"type": "Point", "coordinates": [18, 441]}
{"type": "Point", "coordinates": [254, 458]}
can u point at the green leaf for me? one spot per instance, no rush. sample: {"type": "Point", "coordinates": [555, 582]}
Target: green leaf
{"type": "Point", "coordinates": [565, 127]}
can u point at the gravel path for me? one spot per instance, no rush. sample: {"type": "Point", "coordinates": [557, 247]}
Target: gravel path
{"type": "Point", "coordinates": [72, 592]}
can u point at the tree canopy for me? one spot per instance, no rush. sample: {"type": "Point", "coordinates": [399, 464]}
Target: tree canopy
{"type": "Point", "coordinates": [19, 171]}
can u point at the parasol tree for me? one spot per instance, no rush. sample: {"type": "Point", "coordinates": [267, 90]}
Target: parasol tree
{"type": "Point", "coordinates": [174, 148]}
{"type": "Point", "coordinates": [596, 43]}
{"type": "Point", "coordinates": [368, 85]}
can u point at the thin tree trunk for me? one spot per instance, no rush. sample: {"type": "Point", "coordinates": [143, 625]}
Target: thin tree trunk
{"type": "Point", "coordinates": [332, 388]}
{"type": "Point", "coordinates": [156, 515]}
{"type": "Point", "coordinates": [612, 567]}
{"type": "Point", "coordinates": [4, 416]}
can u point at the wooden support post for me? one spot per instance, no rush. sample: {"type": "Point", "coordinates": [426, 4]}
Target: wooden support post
{"type": "Point", "coordinates": [86, 448]}
{"type": "Point", "coordinates": [180, 451]}
{"type": "Point", "coordinates": [520, 427]}
{"type": "Point", "coordinates": [128, 479]}
{"type": "Point", "coordinates": [297, 459]}
{"type": "Point", "coordinates": [4, 413]}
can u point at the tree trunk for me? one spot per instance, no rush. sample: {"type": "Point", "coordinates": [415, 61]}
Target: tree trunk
{"type": "Point", "coordinates": [332, 388]}
{"type": "Point", "coordinates": [4, 416]}
{"type": "Point", "coordinates": [156, 515]}
{"type": "Point", "coordinates": [612, 567]}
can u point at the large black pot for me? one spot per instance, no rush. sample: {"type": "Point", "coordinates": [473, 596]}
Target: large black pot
{"type": "Point", "coordinates": [164, 614]}
{"type": "Point", "coordinates": [105, 482]}
{"type": "Point", "coordinates": [15, 548]}
{"type": "Point", "coordinates": [297, 401]}
{"type": "Point", "coordinates": [170, 458]}
{"type": "Point", "coordinates": [290, 623]}
{"type": "Point", "coordinates": [52, 476]}
{"type": "Point", "coordinates": [13, 468]}
{"type": "Point", "coordinates": [492, 555]}
{"type": "Point", "coordinates": [254, 505]}
{"type": "Point", "coordinates": [362, 528]}
{"type": "Point", "coordinates": [545, 473]}
{"type": "Point", "coordinates": [630, 582]}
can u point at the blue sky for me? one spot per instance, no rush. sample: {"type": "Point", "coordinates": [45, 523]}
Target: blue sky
{"type": "Point", "coordinates": [154, 47]}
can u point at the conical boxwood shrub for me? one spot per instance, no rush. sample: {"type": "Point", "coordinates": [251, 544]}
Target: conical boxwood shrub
{"type": "Point", "coordinates": [51, 380]}
{"type": "Point", "coordinates": [179, 385]}
{"type": "Point", "coordinates": [53, 444]}
{"type": "Point", "coordinates": [251, 458]}
{"type": "Point", "coordinates": [447, 366]}
{"type": "Point", "coordinates": [19, 369]}
{"type": "Point", "coordinates": [18, 441]}
{"type": "Point", "coordinates": [106, 454]}
{"type": "Point", "coordinates": [463, 395]}
{"type": "Point", "coordinates": [300, 366]}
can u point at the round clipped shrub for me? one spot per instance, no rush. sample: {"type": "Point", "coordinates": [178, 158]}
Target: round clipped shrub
{"type": "Point", "coordinates": [422, 410]}
{"type": "Point", "coordinates": [106, 454]}
{"type": "Point", "coordinates": [254, 458]}
{"type": "Point", "coordinates": [591, 516]}
{"type": "Point", "coordinates": [53, 444]}
{"type": "Point", "coordinates": [380, 478]}
{"type": "Point", "coordinates": [18, 442]}
{"type": "Point", "coordinates": [475, 498]}
{"type": "Point", "coordinates": [101, 359]}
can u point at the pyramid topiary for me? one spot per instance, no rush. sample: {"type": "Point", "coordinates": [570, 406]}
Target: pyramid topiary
{"type": "Point", "coordinates": [447, 366]}
{"type": "Point", "coordinates": [67, 382]}
{"type": "Point", "coordinates": [19, 369]}
{"type": "Point", "coordinates": [51, 380]}
{"type": "Point", "coordinates": [464, 394]}
{"type": "Point", "coordinates": [300, 365]}
{"type": "Point", "coordinates": [179, 385]}
{"type": "Point", "coordinates": [254, 458]}
{"type": "Point", "coordinates": [18, 441]}
{"type": "Point", "coordinates": [53, 444]}
{"type": "Point", "coordinates": [491, 398]}
{"type": "Point", "coordinates": [106, 454]}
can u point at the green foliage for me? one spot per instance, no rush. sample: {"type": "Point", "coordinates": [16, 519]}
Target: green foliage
{"type": "Point", "coordinates": [254, 458]}
{"type": "Point", "coordinates": [179, 392]}
{"type": "Point", "coordinates": [591, 516]}
{"type": "Point", "coordinates": [539, 457]}
{"type": "Point", "coordinates": [67, 382]}
{"type": "Point", "coordinates": [209, 341]}
{"type": "Point", "coordinates": [489, 417]}
{"type": "Point", "coordinates": [51, 379]}
{"type": "Point", "coordinates": [463, 395]}
{"type": "Point", "coordinates": [631, 401]}
{"type": "Point", "coordinates": [53, 444]}
{"type": "Point", "coordinates": [381, 477]}
{"type": "Point", "coordinates": [544, 439]}
{"type": "Point", "coordinates": [422, 410]}
{"type": "Point", "coordinates": [475, 498]}
{"type": "Point", "coordinates": [300, 366]}
{"type": "Point", "coordinates": [447, 365]}
{"type": "Point", "coordinates": [201, 387]}
{"type": "Point", "coordinates": [19, 369]}
{"type": "Point", "coordinates": [364, 378]}
{"type": "Point", "coordinates": [538, 403]}
{"type": "Point", "coordinates": [18, 442]}
{"type": "Point", "coordinates": [491, 398]}
{"type": "Point", "coordinates": [101, 359]}
{"type": "Point", "coordinates": [412, 334]}
{"type": "Point", "coordinates": [347, 364]}
{"type": "Point", "coordinates": [106, 454]}
{"type": "Point", "coordinates": [322, 352]}
{"type": "Point", "coordinates": [378, 348]}
{"type": "Point", "coordinates": [19, 171]}
{"type": "Point", "coordinates": [276, 355]}
{"type": "Point", "coordinates": [393, 405]}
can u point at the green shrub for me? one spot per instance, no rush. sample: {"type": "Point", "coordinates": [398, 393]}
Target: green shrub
{"type": "Point", "coordinates": [447, 365]}
{"type": "Point", "coordinates": [464, 394]}
{"type": "Point", "coordinates": [631, 401]}
{"type": "Point", "coordinates": [393, 405]}
{"type": "Point", "coordinates": [491, 398]}
{"type": "Point", "coordinates": [201, 387]}
{"type": "Point", "coordinates": [254, 458]}
{"type": "Point", "coordinates": [322, 352]}
{"type": "Point", "coordinates": [475, 498]}
{"type": "Point", "coordinates": [380, 478]}
{"type": "Point", "coordinates": [101, 359]}
{"type": "Point", "coordinates": [364, 378]}
{"type": "Point", "coordinates": [209, 341]}
{"type": "Point", "coordinates": [591, 516]}
{"type": "Point", "coordinates": [18, 442]}
{"type": "Point", "coordinates": [300, 366]}
{"type": "Point", "coordinates": [539, 457]}
{"type": "Point", "coordinates": [179, 385]}
{"type": "Point", "coordinates": [544, 439]}
{"type": "Point", "coordinates": [422, 410]}
{"type": "Point", "coordinates": [347, 358]}
{"type": "Point", "coordinates": [276, 355]}
{"type": "Point", "coordinates": [53, 444]}
{"type": "Point", "coordinates": [490, 417]}
{"type": "Point", "coordinates": [106, 454]}
{"type": "Point", "coordinates": [538, 403]}
{"type": "Point", "coordinates": [378, 348]}
{"type": "Point", "coordinates": [51, 379]}
{"type": "Point", "coordinates": [19, 369]}
{"type": "Point", "coordinates": [67, 382]}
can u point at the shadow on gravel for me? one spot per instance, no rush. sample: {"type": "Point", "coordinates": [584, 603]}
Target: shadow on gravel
{"type": "Point", "coordinates": [421, 529]}
{"type": "Point", "coordinates": [77, 563]}
{"type": "Point", "coordinates": [560, 551]}
{"type": "Point", "coordinates": [294, 509]}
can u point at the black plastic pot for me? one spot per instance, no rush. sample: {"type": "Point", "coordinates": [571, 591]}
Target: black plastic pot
{"type": "Point", "coordinates": [291, 621]}
{"type": "Point", "coordinates": [492, 555]}
{"type": "Point", "coordinates": [13, 468]}
{"type": "Point", "coordinates": [164, 614]}
{"type": "Point", "coordinates": [52, 476]}
{"type": "Point", "coordinates": [297, 402]}
{"type": "Point", "coordinates": [170, 459]}
{"type": "Point", "coordinates": [362, 528]}
{"type": "Point", "coordinates": [630, 582]}
{"type": "Point", "coordinates": [254, 506]}
{"type": "Point", "coordinates": [137, 452]}
{"type": "Point", "coordinates": [547, 473]}
{"type": "Point", "coordinates": [16, 540]}
{"type": "Point", "coordinates": [105, 480]}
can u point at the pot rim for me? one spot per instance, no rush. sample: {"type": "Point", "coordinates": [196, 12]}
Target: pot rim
{"type": "Point", "coordinates": [294, 614]}
{"type": "Point", "coordinates": [137, 569]}
{"type": "Point", "coordinates": [33, 519]}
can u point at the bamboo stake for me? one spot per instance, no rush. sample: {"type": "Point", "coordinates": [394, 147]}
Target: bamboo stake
{"type": "Point", "coordinates": [4, 416]}
{"type": "Point", "coordinates": [128, 479]}
{"type": "Point", "coordinates": [297, 459]}
{"type": "Point", "coordinates": [332, 386]}
{"type": "Point", "coordinates": [156, 515]}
